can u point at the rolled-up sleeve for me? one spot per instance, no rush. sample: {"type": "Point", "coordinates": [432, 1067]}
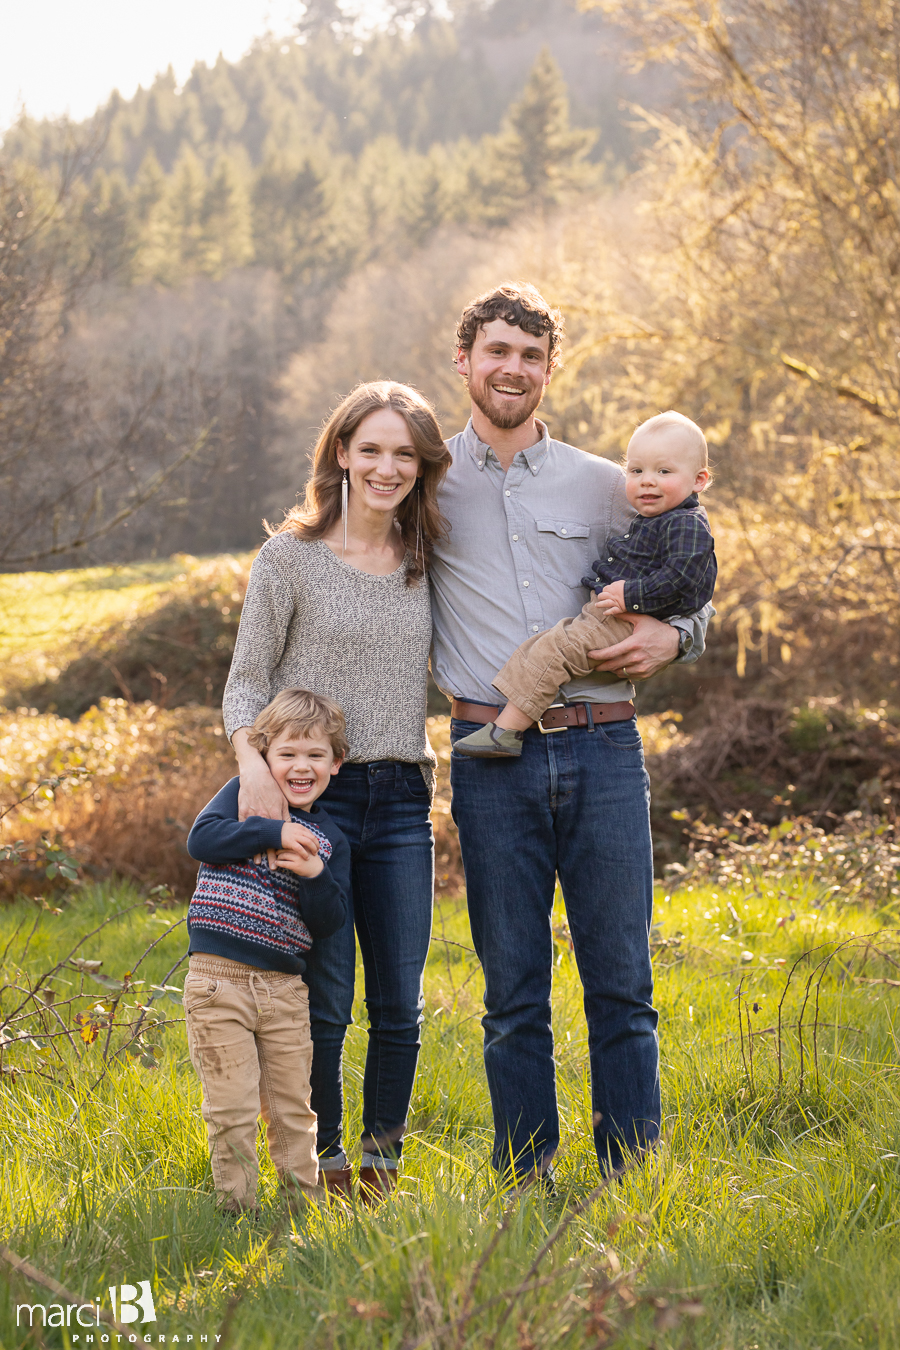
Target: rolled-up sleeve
{"type": "Point", "coordinates": [267, 613]}
{"type": "Point", "coordinates": [695, 625]}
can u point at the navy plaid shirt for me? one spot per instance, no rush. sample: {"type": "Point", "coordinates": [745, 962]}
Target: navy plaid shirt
{"type": "Point", "coordinates": [667, 562]}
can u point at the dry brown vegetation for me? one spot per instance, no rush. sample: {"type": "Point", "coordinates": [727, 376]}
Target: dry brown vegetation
{"type": "Point", "coordinates": [146, 772]}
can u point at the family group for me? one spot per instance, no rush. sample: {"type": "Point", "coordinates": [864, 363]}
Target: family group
{"type": "Point", "coordinates": [539, 582]}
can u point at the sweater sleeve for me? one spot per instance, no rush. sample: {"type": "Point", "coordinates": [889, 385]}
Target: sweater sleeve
{"type": "Point", "coordinates": [218, 837]}
{"type": "Point", "coordinates": [262, 634]}
{"type": "Point", "coordinates": [323, 902]}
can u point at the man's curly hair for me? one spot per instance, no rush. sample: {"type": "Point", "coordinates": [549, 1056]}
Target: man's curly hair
{"type": "Point", "coordinates": [521, 305]}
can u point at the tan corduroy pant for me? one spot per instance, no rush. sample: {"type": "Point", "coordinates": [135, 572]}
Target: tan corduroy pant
{"type": "Point", "coordinates": [533, 674]}
{"type": "Point", "coordinates": [248, 1036]}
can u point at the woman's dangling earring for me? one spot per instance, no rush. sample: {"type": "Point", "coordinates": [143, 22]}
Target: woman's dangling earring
{"type": "Point", "coordinates": [345, 489]}
{"type": "Point", "coordinates": [419, 547]}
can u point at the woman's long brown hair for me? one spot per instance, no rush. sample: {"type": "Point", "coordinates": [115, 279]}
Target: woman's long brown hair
{"type": "Point", "coordinates": [322, 504]}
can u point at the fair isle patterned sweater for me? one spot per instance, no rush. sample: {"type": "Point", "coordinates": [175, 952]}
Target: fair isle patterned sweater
{"type": "Point", "coordinates": [245, 912]}
{"type": "Point", "coordinates": [310, 621]}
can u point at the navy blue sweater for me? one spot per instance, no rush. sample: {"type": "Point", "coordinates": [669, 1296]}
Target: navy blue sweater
{"type": "Point", "coordinates": [667, 562]}
{"type": "Point", "coordinates": [245, 912]}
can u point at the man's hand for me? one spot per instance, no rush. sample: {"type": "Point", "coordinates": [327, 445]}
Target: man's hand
{"type": "Point", "coordinates": [292, 860]}
{"type": "Point", "coordinates": [611, 600]}
{"type": "Point", "coordinates": [651, 647]}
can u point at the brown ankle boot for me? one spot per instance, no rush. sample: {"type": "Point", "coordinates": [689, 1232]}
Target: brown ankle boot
{"type": "Point", "coordinates": [338, 1181]}
{"type": "Point", "coordinates": [376, 1183]}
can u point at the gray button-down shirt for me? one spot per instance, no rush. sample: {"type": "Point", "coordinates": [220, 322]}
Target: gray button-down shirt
{"type": "Point", "coordinates": [519, 545]}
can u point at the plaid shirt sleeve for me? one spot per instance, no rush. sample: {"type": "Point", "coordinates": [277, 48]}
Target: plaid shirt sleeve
{"type": "Point", "coordinates": [686, 576]}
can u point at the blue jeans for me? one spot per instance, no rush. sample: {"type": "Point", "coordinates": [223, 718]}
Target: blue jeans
{"type": "Point", "coordinates": [577, 804]}
{"type": "Point", "coordinates": [383, 809]}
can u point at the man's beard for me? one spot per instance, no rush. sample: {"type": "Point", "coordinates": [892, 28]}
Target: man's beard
{"type": "Point", "coordinates": [500, 415]}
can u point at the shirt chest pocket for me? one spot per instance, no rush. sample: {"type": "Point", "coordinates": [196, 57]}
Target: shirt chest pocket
{"type": "Point", "coordinates": [564, 549]}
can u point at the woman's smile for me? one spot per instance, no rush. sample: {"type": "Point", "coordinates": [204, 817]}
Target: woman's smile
{"type": "Point", "coordinates": [380, 445]}
{"type": "Point", "coordinates": [383, 489]}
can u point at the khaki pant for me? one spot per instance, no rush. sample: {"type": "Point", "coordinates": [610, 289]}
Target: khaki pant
{"type": "Point", "coordinates": [248, 1036]}
{"type": "Point", "coordinates": [533, 674]}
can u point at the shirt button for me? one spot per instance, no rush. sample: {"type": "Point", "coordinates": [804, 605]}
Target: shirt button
{"type": "Point", "coordinates": [609, 560]}
{"type": "Point", "coordinates": [564, 531]}
{"type": "Point", "coordinates": [633, 606]}
{"type": "Point", "coordinates": [507, 492]}
{"type": "Point", "coordinates": [526, 583]}
{"type": "Point", "coordinates": [535, 628]}
{"type": "Point", "coordinates": [515, 537]}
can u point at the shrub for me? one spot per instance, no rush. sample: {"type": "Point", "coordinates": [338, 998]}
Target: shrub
{"type": "Point", "coordinates": [148, 773]}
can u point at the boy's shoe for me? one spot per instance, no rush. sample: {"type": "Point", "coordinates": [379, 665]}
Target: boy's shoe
{"type": "Point", "coordinates": [232, 1208]}
{"type": "Point", "coordinates": [299, 1196]}
{"type": "Point", "coordinates": [491, 742]}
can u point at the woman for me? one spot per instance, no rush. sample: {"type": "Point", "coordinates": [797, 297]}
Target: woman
{"type": "Point", "coordinates": [338, 603]}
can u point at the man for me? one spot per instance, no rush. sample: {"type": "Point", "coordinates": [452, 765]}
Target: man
{"type": "Point", "coordinates": [527, 516]}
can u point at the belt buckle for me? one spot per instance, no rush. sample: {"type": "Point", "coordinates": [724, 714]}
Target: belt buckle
{"type": "Point", "coordinates": [549, 731]}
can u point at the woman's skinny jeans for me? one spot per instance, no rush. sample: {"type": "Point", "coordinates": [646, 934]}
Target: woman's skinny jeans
{"type": "Point", "coordinates": [383, 809]}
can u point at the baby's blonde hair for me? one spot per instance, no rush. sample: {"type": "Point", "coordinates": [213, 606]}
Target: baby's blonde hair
{"type": "Point", "coordinates": [692, 432]}
{"type": "Point", "coordinates": [300, 713]}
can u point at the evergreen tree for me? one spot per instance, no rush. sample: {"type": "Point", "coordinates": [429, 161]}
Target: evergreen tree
{"type": "Point", "coordinates": [291, 232]}
{"type": "Point", "coordinates": [538, 159]}
{"type": "Point", "coordinates": [152, 222]}
{"type": "Point", "coordinates": [109, 226]}
{"type": "Point", "coordinates": [185, 202]}
{"type": "Point", "coordinates": [225, 224]}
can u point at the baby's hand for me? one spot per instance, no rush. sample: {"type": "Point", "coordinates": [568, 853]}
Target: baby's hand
{"type": "Point", "coordinates": [611, 599]}
{"type": "Point", "coordinates": [294, 861]}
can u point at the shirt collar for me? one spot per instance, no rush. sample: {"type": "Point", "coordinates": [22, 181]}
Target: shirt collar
{"type": "Point", "coordinates": [534, 456]}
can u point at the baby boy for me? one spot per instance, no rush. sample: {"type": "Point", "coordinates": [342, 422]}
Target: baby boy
{"type": "Point", "coordinates": [665, 565]}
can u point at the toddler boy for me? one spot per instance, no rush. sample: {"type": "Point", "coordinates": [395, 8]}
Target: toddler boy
{"type": "Point", "coordinates": [246, 1004]}
{"type": "Point", "coordinates": [665, 565]}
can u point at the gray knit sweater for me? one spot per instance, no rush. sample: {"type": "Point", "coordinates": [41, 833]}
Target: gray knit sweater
{"type": "Point", "coordinates": [312, 622]}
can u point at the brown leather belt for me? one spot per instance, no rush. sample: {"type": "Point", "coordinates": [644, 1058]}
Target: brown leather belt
{"type": "Point", "coordinates": [559, 717]}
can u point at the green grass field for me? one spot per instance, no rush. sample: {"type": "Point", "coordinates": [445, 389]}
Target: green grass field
{"type": "Point", "coordinates": [49, 618]}
{"type": "Point", "coordinates": [768, 1218]}
{"type": "Point", "coordinates": [42, 612]}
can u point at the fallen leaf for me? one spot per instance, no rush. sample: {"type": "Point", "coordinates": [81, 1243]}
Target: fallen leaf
{"type": "Point", "coordinates": [368, 1311]}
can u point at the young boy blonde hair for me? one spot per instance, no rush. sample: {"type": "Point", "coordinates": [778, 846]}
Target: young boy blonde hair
{"type": "Point", "coordinates": [299, 713]}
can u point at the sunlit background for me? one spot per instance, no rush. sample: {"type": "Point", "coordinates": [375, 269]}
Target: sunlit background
{"type": "Point", "coordinates": [62, 58]}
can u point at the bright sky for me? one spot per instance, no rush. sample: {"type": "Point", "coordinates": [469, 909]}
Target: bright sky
{"type": "Point", "coordinates": [66, 56]}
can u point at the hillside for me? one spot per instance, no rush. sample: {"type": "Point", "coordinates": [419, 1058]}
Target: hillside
{"type": "Point", "coordinates": [440, 82]}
